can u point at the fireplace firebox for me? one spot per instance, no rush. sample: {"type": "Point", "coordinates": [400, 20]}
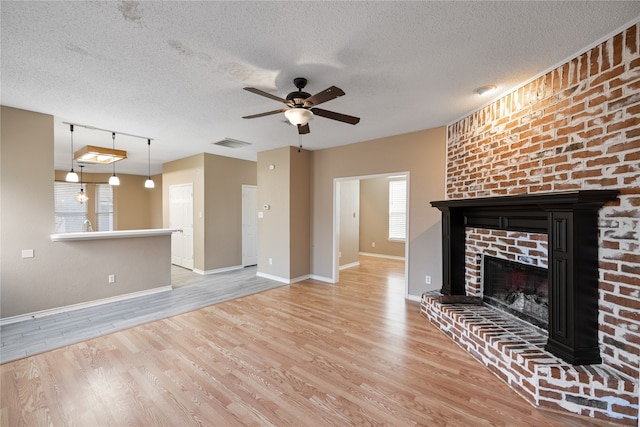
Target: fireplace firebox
{"type": "Point", "coordinates": [517, 288]}
{"type": "Point", "coordinates": [570, 219]}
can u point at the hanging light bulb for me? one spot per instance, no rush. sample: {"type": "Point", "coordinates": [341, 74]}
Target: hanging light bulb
{"type": "Point", "coordinates": [114, 180]}
{"type": "Point", "coordinates": [149, 182]}
{"type": "Point", "coordinates": [81, 196]}
{"type": "Point", "coordinates": [71, 175]}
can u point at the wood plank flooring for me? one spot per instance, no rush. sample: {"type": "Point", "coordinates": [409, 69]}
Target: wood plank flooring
{"type": "Point", "coordinates": [191, 291]}
{"type": "Point", "coordinates": [309, 354]}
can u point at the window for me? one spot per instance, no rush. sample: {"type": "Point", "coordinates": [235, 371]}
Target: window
{"type": "Point", "coordinates": [398, 210]}
{"type": "Point", "coordinates": [104, 207]}
{"type": "Point", "coordinates": [69, 214]}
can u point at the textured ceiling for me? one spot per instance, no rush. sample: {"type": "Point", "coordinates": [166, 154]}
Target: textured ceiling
{"type": "Point", "coordinates": [174, 71]}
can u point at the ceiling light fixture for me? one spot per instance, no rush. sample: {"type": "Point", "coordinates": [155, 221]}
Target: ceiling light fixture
{"type": "Point", "coordinates": [114, 180]}
{"type": "Point", "coordinates": [71, 175]}
{"type": "Point", "coordinates": [149, 182]}
{"type": "Point", "coordinates": [298, 116]}
{"type": "Point", "coordinates": [482, 90]}
{"type": "Point", "coordinates": [81, 196]}
{"type": "Point", "coordinates": [99, 155]}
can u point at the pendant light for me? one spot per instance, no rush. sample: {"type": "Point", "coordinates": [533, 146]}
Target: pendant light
{"type": "Point", "coordinates": [81, 196]}
{"type": "Point", "coordinates": [71, 175]}
{"type": "Point", "coordinates": [149, 182]}
{"type": "Point", "coordinates": [114, 180]}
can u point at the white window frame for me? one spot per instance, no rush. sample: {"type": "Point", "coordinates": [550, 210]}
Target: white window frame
{"type": "Point", "coordinates": [397, 210]}
{"type": "Point", "coordinates": [104, 207]}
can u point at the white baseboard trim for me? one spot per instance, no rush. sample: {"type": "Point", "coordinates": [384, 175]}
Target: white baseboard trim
{"type": "Point", "coordinates": [81, 305]}
{"type": "Point", "coordinates": [353, 264]}
{"type": "Point", "coordinates": [322, 279]}
{"type": "Point", "coordinates": [401, 258]}
{"type": "Point", "coordinates": [413, 298]}
{"type": "Point", "coordinates": [272, 277]}
{"type": "Point", "coordinates": [299, 279]}
{"type": "Point", "coordinates": [282, 279]}
{"type": "Point", "coordinates": [217, 270]}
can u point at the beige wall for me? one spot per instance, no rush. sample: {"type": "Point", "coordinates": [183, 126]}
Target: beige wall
{"type": "Point", "coordinates": [349, 230]}
{"type": "Point", "coordinates": [274, 227]}
{"type": "Point", "coordinates": [189, 170]}
{"type": "Point", "coordinates": [59, 274]}
{"type": "Point", "coordinates": [217, 206]}
{"type": "Point", "coordinates": [300, 213]}
{"type": "Point", "coordinates": [224, 178]}
{"type": "Point", "coordinates": [374, 219]}
{"type": "Point", "coordinates": [422, 154]}
{"type": "Point", "coordinates": [283, 231]}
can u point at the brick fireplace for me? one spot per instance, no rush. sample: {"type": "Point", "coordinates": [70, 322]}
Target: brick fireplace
{"type": "Point", "coordinates": [575, 128]}
{"type": "Point", "coordinates": [570, 219]}
{"type": "Point", "coordinates": [545, 367]}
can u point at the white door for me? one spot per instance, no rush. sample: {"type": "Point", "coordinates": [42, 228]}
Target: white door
{"type": "Point", "coordinates": [249, 225]}
{"type": "Point", "coordinates": [181, 219]}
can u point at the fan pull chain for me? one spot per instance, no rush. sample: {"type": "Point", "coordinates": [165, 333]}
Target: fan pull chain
{"type": "Point", "coordinates": [299, 142]}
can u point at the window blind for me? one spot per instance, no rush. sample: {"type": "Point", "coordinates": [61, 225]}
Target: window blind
{"type": "Point", "coordinates": [69, 214]}
{"type": "Point", "coordinates": [398, 210]}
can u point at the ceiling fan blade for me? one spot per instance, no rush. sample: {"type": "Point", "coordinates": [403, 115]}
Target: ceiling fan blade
{"type": "Point", "coordinates": [266, 94]}
{"type": "Point", "coordinates": [336, 116]}
{"type": "Point", "coordinates": [324, 96]}
{"type": "Point", "coordinates": [303, 129]}
{"type": "Point", "coordinates": [268, 113]}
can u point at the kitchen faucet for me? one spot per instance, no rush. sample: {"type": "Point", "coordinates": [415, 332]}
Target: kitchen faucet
{"type": "Point", "coordinates": [86, 226]}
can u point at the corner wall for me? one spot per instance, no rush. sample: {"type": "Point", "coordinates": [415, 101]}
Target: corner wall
{"type": "Point", "coordinates": [283, 229]}
{"type": "Point", "coordinates": [422, 154]}
{"type": "Point", "coordinates": [217, 206]}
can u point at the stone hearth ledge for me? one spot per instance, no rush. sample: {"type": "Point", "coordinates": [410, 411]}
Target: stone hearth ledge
{"type": "Point", "coordinates": [514, 351]}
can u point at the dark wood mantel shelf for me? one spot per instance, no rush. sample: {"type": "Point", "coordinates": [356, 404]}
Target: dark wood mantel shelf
{"type": "Point", "coordinates": [570, 219]}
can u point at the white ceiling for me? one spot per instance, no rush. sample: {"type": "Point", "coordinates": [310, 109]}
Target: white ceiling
{"type": "Point", "coordinates": [174, 71]}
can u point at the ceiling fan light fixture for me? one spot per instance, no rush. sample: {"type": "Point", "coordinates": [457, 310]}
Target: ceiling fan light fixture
{"type": "Point", "coordinates": [298, 116]}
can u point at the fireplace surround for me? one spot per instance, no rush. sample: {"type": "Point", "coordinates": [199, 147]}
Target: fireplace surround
{"type": "Point", "coordinates": [570, 219]}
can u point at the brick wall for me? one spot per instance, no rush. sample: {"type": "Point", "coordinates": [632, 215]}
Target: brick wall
{"type": "Point", "coordinates": [576, 127]}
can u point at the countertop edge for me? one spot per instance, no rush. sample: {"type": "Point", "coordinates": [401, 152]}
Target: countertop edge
{"type": "Point", "coordinates": [120, 234]}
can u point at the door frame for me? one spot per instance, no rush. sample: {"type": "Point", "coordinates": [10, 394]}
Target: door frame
{"type": "Point", "coordinates": [336, 224]}
{"type": "Point", "coordinates": [184, 185]}
{"type": "Point", "coordinates": [255, 211]}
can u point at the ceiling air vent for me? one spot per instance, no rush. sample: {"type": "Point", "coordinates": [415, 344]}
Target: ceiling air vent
{"type": "Point", "coordinates": [231, 143]}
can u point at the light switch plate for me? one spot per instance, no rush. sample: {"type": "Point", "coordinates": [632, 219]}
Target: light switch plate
{"type": "Point", "coordinates": [27, 253]}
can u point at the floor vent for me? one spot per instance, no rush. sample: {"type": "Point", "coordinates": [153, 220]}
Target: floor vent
{"type": "Point", "coordinates": [231, 143]}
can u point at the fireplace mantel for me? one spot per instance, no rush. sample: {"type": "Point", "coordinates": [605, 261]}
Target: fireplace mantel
{"type": "Point", "coordinates": [570, 219]}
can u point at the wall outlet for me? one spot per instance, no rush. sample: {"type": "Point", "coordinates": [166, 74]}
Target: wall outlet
{"type": "Point", "coordinates": [270, 261]}
{"type": "Point", "coordinates": [112, 278]}
{"type": "Point", "coordinates": [427, 280]}
{"type": "Point", "coordinates": [373, 244]}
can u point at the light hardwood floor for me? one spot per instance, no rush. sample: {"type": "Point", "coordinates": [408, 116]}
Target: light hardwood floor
{"type": "Point", "coordinates": [310, 354]}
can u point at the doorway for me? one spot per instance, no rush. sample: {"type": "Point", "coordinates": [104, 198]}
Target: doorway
{"type": "Point", "coordinates": [181, 219]}
{"type": "Point", "coordinates": [249, 225]}
{"type": "Point", "coordinates": [339, 223]}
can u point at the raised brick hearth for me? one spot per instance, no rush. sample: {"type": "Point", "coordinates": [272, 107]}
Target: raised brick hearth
{"type": "Point", "coordinates": [514, 351]}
